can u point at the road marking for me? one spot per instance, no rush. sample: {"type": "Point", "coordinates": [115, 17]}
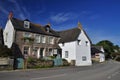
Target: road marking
{"type": "Point", "coordinates": [54, 76]}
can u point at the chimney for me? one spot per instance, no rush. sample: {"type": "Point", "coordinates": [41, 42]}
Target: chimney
{"type": "Point", "coordinates": [49, 24]}
{"type": "Point", "coordinates": [10, 15]}
{"type": "Point", "coordinates": [79, 25]}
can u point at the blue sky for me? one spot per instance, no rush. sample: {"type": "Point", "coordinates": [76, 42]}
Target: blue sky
{"type": "Point", "coordinates": [99, 18]}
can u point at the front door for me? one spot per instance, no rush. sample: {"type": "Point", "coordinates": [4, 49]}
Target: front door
{"type": "Point", "coordinates": [41, 52]}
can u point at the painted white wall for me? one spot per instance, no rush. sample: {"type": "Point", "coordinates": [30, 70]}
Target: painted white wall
{"type": "Point", "coordinates": [76, 52]}
{"type": "Point", "coordinates": [83, 50]}
{"type": "Point", "coordinates": [9, 29]}
{"type": "Point", "coordinates": [102, 57]}
{"type": "Point", "coordinates": [70, 47]}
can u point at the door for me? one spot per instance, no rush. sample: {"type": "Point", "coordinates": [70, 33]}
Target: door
{"type": "Point", "coordinates": [41, 52]}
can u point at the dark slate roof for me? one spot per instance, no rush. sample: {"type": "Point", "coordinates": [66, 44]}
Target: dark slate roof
{"type": "Point", "coordinates": [69, 35]}
{"type": "Point", "coordinates": [95, 49]}
{"type": "Point", "coordinates": [34, 28]}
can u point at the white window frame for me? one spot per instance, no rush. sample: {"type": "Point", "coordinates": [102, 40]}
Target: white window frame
{"type": "Point", "coordinates": [27, 34]}
{"type": "Point", "coordinates": [55, 51]}
{"type": "Point", "coordinates": [35, 51]}
{"type": "Point", "coordinates": [50, 40]}
{"type": "Point", "coordinates": [66, 54]}
{"type": "Point", "coordinates": [26, 51]}
{"type": "Point", "coordinates": [43, 39]}
{"type": "Point", "coordinates": [26, 24]}
{"type": "Point", "coordinates": [48, 29]}
{"type": "Point", "coordinates": [84, 58]}
{"type": "Point", "coordinates": [37, 38]}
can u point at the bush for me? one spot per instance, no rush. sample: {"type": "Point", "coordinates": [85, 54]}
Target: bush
{"type": "Point", "coordinates": [39, 63]}
{"type": "Point", "coordinates": [118, 59]}
{"type": "Point", "coordinates": [65, 62]}
{"type": "Point", "coordinates": [5, 52]}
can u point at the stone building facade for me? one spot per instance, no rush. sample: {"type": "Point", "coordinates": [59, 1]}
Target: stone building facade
{"type": "Point", "coordinates": [31, 39]}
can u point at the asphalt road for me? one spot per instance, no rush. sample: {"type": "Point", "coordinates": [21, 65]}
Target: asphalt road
{"type": "Point", "coordinates": [104, 71]}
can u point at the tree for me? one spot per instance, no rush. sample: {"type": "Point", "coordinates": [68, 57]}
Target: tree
{"type": "Point", "coordinates": [5, 52]}
{"type": "Point", "coordinates": [108, 47]}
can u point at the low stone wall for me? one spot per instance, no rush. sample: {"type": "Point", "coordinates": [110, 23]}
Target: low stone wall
{"type": "Point", "coordinates": [95, 59]}
{"type": "Point", "coordinates": [6, 63]}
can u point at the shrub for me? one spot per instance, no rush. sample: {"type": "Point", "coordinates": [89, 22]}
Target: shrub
{"type": "Point", "coordinates": [5, 52]}
{"type": "Point", "coordinates": [39, 63]}
{"type": "Point", "coordinates": [118, 59]}
{"type": "Point", "coordinates": [65, 62]}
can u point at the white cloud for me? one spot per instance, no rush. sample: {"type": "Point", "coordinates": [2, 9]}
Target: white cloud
{"type": "Point", "coordinates": [26, 12]}
{"type": "Point", "coordinates": [21, 11]}
{"type": "Point", "coordinates": [62, 17]}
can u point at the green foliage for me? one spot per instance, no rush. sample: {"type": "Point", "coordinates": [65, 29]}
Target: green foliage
{"type": "Point", "coordinates": [5, 52]}
{"type": "Point", "coordinates": [28, 38]}
{"type": "Point", "coordinates": [109, 48]}
{"type": "Point", "coordinates": [118, 58]}
{"type": "Point", "coordinates": [39, 63]}
{"type": "Point", "coordinates": [65, 62]}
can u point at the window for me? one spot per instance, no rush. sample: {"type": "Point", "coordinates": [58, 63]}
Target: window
{"type": "Point", "coordinates": [50, 40]}
{"type": "Point", "coordinates": [50, 52]}
{"type": "Point", "coordinates": [66, 54]}
{"type": "Point", "coordinates": [26, 24]}
{"type": "Point", "coordinates": [26, 50]}
{"type": "Point", "coordinates": [79, 42]}
{"type": "Point", "coordinates": [37, 38]}
{"type": "Point", "coordinates": [6, 37]}
{"type": "Point", "coordinates": [43, 39]}
{"type": "Point", "coordinates": [63, 44]}
{"type": "Point", "coordinates": [35, 51]}
{"type": "Point", "coordinates": [55, 51]}
{"type": "Point", "coordinates": [86, 43]}
{"type": "Point", "coordinates": [84, 58]}
{"type": "Point", "coordinates": [27, 34]}
{"type": "Point", "coordinates": [48, 29]}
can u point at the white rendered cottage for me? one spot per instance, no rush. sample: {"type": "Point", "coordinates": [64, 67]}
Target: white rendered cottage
{"type": "Point", "coordinates": [76, 45]}
{"type": "Point", "coordinates": [98, 53]}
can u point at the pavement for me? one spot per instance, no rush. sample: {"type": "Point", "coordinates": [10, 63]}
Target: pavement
{"type": "Point", "coordinates": [109, 70]}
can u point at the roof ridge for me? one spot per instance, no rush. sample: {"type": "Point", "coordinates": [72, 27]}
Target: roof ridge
{"type": "Point", "coordinates": [68, 29]}
{"type": "Point", "coordinates": [29, 21]}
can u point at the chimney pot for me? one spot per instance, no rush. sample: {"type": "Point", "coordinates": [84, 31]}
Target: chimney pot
{"type": "Point", "coordinates": [10, 15]}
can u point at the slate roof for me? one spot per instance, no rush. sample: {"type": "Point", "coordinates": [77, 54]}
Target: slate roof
{"type": "Point", "coordinates": [95, 49]}
{"type": "Point", "coordinates": [98, 47]}
{"type": "Point", "coordinates": [69, 35]}
{"type": "Point", "coordinates": [34, 28]}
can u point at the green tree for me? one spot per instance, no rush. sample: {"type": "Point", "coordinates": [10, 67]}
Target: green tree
{"type": "Point", "coordinates": [5, 52]}
{"type": "Point", "coordinates": [108, 47]}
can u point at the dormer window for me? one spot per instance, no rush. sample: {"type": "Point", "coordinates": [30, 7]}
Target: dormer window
{"type": "Point", "coordinates": [48, 29]}
{"type": "Point", "coordinates": [26, 24]}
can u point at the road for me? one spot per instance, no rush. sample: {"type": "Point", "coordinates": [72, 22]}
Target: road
{"type": "Point", "coordinates": [109, 70]}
